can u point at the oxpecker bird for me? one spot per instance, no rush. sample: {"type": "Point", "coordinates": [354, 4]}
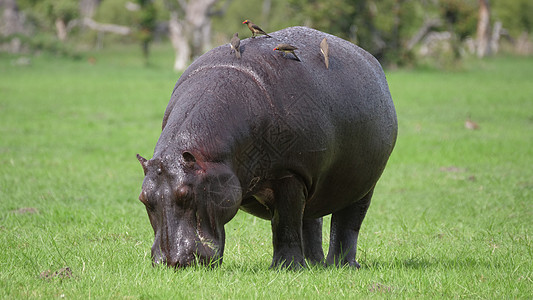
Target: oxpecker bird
{"type": "Point", "coordinates": [254, 28]}
{"type": "Point", "coordinates": [286, 48]}
{"type": "Point", "coordinates": [324, 48]}
{"type": "Point", "coordinates": [235, 44]}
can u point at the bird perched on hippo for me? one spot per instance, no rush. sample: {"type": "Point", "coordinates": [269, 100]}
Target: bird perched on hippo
{"type": "Point", "coordinates": [235, 45]}
{"type": "Point", "coordinates": [286, 48]}
{"type": "Point", "coordinates": [255, 29]}
{"type": "Point", "coordinates": [286, 141]}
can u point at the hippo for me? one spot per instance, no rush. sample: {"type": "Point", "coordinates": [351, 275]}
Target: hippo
{"type": "Point", "coordinates": [285, 140]}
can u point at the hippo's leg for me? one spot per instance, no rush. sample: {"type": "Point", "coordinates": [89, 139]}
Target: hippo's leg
{"type": "Point", "coordinates": [312, 239]}
{"type": "Point", "coordinates": [287, 223]}
{"type": "Point", "coordinates": [345, 225]}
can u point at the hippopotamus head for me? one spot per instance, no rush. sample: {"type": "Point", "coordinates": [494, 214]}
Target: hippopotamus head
{"type": "Point", "coordinates": [188, 202]}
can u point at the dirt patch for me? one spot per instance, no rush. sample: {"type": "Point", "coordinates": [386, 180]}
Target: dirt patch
{"type": "Point", "coordinates": [379, 288]}
{"type": "Point", "coordinates": [452, 169]}
{"type": "Point", "coordinates": [65, 272]}
{"type": "Point", "coordinates": [26, 210]}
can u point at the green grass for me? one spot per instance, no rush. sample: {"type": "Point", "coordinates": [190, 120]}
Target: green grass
{"type": "Point", "coordinates": [451, 216]}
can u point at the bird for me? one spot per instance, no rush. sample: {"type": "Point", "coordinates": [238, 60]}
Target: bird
{"type": "Point", "coordinates": [235, 44]}
{"type": "Point", "coordinates": [254, 28]}
{"type": "Point", "coordinates": [324, 48]}
{"type": "Point", "coordinates": [471, 125]}
{"type": "Point", "coordinates": [286, 48]}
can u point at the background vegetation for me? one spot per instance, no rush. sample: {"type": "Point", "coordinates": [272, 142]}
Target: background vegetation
{"type": "Point", "coordinates": [398, 32]}
{"type": "Point", "coordinates": [451, 216]}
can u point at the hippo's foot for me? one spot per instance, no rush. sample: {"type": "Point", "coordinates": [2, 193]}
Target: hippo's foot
{"type": "Point", "coordinates": [291, 262]}
{"type": "Point", "coordinates": [342, 263]}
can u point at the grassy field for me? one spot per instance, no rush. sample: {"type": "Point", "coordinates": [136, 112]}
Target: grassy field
{"type": "Point", "coordinates": [451, 216]}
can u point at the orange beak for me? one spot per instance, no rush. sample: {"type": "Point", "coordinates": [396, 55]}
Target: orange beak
{"type": "Point", "coordinates": [275, 49]}
{"type": "Point", "coordinates": [244, 22]}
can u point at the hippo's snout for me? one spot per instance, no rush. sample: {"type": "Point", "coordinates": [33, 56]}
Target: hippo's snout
{"type": "Point", "coordinates": [202, 254]}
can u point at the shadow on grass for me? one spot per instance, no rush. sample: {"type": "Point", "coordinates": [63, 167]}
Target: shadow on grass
{"type": "Point", "coordinates": [423, 263]}
{"type": "Point", "coordinates": [260, 266]}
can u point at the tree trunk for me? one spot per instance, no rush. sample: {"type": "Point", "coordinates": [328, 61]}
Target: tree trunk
{"type": "Point", "coordinates": [177, 34]}
{"type": "Point", "coordinates": [198, 18]}
{"type": "Point", "coordinates": [483, 29]}
{"type": "Point", "coordinates": [190, 35]}
{"type": "Point", "coordinates": [495, 39]}
{"type": "Point", "coordinates": [61, 29]}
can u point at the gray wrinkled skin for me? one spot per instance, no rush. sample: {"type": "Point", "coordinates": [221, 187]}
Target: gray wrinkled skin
{"type": "Point", "coordinates": [284, 140]}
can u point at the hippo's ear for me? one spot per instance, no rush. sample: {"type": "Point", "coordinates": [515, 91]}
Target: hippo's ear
{"type": "Point", "coordinates": [144, 163]}
{"type": "Point", "coordinates": [189, 159]}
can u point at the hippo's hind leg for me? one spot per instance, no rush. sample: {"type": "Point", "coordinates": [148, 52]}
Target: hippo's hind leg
{"type": "Point", "coordinates": [289, 201]}
{"type": "Point", "coordinates": [312, 240]}
{"type": "Point", "coordinates": [345, 225]}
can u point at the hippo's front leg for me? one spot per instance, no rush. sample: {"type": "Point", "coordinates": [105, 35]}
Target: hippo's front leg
{"type": "Point", "coordinates": [289, 201]}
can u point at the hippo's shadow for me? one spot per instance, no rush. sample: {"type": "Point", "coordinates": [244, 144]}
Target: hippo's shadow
{"type": "Point", "coordinates": [424, 263]}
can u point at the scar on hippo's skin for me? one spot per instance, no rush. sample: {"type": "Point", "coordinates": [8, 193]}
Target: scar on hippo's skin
{"type": "Point", "coordinates": [246, 70]}
{"type": "Point", "coordinates": [205, 241]}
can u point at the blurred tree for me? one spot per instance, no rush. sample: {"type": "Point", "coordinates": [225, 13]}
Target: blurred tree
{"type": "Point", "coordinates": [11, 21]}
{"type": "Point", "coordinates": [483, 34]}
{"type": "Point", "coordinates": [56, 13]}
{"type": "Point", "coordinates": [60, 12]}
{"type": "Point", "coordinates": [460, 19]}
{"type": "Point", "coordinates": [146, 23]}
{"type": "Point", "coordinates": [380, 27]}
{"type": "Point", "coordinates": [516, 15]}
{"type": "Point", "coordinates": [11, 24]}
{"type": "Point", "coordinates": [517, 22]}
{"type": "Point", "coordinates": [190, 27]}
{"type": "Point", "coordinates": [392, 30]}
{"type": "Point", "coordinates": [460, 16]}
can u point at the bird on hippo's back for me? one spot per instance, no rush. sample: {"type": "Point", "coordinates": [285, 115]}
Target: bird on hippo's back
{"type": "Point", "coordinates": [255, 29]}
{"type": "Point", "coordinates": [235, 45]}
{"type": "Point", "coordinates": [286, 48]}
